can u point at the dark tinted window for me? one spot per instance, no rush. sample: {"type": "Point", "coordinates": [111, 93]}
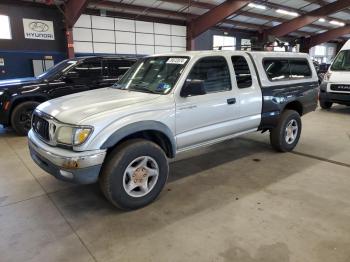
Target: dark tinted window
{"type": "Point", "coordinates": [89, 69]}
{"type": "Point", "coordinates": [214, 72]}
{"type": "Point", "coordinates": [342, 61]}
{"type": "Point", "coordinates": [276, 69]}
{"type": "Point", "coordinates": [299, 68]}
{"type": "Point", "coordinates": [243, 75]}
{"type": "Point", "coordinates": [116, 68]}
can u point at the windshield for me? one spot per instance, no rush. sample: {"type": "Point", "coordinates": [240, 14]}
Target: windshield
{"type": "Point", "coordinates": [58, 69]}
{"type": "Point", "coordinates": [153, 74]}
{"type": "Point", "coordinates": [342, 61]}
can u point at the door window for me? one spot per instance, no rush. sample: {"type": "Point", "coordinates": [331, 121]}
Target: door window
{"type": "Point", "coordinates": [116, 68]}
{"type": "Point", "coordinates": [242, 71]}
{"type": "Point", "coordinates": [91, 69]}
{"type": "Point", "coordinates": [214, 73]}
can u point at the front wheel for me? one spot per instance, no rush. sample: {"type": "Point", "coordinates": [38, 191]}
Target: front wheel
{"type": "Point", "coordinates": [21, 117]}
{"type": "Point", "coordinates": [134, 174]}
{"type": "Point", "coordinates": [285, 136]}
{"type": "Point", "coordinates": [325, 104]}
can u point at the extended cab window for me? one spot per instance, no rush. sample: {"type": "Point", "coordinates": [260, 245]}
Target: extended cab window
{"type": "Point", "coordinates": [299, 68]}
{"type": "Point", "coordinates": [277, 69]}
{"type": "Point", "coordinates": [214, 73]}
{"type": "Point", "coordinates": [242, 71]}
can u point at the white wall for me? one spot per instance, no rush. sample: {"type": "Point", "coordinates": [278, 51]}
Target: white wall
{"type": "Point", "coordinates": [96, 34]}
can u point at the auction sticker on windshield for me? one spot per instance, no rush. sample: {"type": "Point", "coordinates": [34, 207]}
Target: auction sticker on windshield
{"type": "Point", "coordinates": [177, 60]}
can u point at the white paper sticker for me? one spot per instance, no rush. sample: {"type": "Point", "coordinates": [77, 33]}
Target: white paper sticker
{"type": "Point", "coordinates": [177, 60]}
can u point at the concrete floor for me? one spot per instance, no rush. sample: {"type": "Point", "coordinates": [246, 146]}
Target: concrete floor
{"type": "Point", "coordinates": [236, 201]}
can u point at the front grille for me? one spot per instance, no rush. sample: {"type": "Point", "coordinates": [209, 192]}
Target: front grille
{"type": "Point", "coordinates": [41, 127]}
{"type": "Point", "coordinates": [340, 88]}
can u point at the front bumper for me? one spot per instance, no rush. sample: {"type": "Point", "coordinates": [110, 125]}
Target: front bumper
{"type": "Point", "coordinates": [334, 97]}
{"type": "Point", "coordinates": [77, 167]}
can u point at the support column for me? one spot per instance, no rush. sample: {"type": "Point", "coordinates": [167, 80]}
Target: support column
{"type": "Point", "coordinates": [190, 46]}
{"type": "Point", "coordinates": [70, 43]}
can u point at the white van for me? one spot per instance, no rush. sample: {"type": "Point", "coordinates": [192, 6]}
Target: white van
{"type": "Point", "coordinates": [335, 87]}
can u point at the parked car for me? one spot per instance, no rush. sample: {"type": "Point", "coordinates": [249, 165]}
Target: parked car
{"type": "Point", "coordinates": [335, 87]}
{"type": "Point", "coordinates": [123, 136]}
{"type": "Point", "coordinates": [19, 97]}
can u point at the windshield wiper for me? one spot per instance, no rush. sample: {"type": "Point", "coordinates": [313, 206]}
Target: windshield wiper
{"type": "Point", "coordinates": [141, 88]}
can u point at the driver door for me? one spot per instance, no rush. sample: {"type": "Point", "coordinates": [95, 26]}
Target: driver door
{"type": "Point", "coordinates": [201, 119]}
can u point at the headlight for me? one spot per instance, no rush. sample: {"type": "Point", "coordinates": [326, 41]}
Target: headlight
{"type": "Point", "coordinates": [1, 92]}
{"type": "Point", "coordinates": [327, 76]}
{"type": "Point", "coordinates": [73, 135]}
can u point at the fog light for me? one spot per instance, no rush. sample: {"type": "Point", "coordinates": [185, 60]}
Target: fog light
{"type": "Point", "coordinates": [66, 174]}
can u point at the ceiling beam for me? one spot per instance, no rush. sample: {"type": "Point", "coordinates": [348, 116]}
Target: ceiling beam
{"type": "Point", "coordinates": [328, 36]}
{"type": "Point", "coordinates": [207, 6]}
{"type": "Point", "coordinates": [121, 7]}
{"type": "Point", "coordinates": [146, 18]}
{"type": "Point", "coordinates": [309, 18]}
{"type": "Point", "coordinates": [141, 12]}
{"type": "Point", "coordinates": [323, 3]}
{"type": "Point", "coordinates": [72, 11]}
{"type": "Point", "coordinates": [215, 16]}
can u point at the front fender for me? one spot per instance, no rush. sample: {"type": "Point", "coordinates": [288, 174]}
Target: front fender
{"type": "Point", "coordinates": [149, 125]}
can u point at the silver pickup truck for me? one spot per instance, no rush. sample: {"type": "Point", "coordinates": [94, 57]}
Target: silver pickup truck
{"type": "Point", "coordinates": [123, 136]}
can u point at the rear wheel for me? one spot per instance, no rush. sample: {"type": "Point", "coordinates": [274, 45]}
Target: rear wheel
{"type": "Point", "coordinates": [134, 174]}
{"type": "Point", "coordinates": [21, 117]}
{"type": "Point", "coordinates": [285, 136]}
{"type": "Point", "coordinates": [325, 104]}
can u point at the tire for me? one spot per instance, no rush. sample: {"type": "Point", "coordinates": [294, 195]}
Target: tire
{"type": "Point", "coordinates": [279, 135]}
{"type": "Point", "coordinates": [21, 117]}
{"type": "Point", "coordinates": [325, 104]}
{"type": "Point", "coordinates": [115, 177]}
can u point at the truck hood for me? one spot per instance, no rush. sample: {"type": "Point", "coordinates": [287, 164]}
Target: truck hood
{"type": "Point", "coordinates": [73, 109]}
{"type": "Point", "coordinates": [18, 81]}
{"type": "Point", "coordinates": [341, 77]}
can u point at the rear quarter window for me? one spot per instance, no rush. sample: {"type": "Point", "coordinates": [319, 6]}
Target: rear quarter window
{"type": "Point", "coordinates": [287, 69]}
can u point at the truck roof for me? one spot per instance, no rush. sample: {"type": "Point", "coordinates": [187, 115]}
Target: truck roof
{"type": "Point", "coordinates": [228, 52]}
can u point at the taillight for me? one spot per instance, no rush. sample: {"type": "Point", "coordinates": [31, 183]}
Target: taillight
{"type": "Point", "coordinates": [6, 105]}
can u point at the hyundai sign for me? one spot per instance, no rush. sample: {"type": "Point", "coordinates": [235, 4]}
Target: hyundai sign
{"type": "Point", "coordinates": [38, 29]}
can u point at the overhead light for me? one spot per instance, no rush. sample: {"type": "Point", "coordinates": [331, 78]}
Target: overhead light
{"type": "Point", "coordinates": [285, 12]}
{"type": "Point", "coordinates": [334, 22]}
{"type": "Point", "coordinates": [322, 20]}
{"type": "Point", "coordinates": [252, 5]}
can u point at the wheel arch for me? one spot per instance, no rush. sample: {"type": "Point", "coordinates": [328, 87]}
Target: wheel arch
{"type": "Point", "coordinates": [17, 101]}
{"type": "Point", "coordinates": [154, 131]}
{"type": "Point", "coordinates": [296, 106]}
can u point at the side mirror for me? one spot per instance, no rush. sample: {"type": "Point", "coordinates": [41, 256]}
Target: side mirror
{"type": "Point", "coordinates": [193, 88]}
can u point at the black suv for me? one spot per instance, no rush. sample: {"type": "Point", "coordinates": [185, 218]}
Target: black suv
{"type": "Point", "coordinates": [19, 97]}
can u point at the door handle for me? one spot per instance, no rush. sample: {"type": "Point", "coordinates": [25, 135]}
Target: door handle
{"type": "Point", "coordinates": [231, 101]}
